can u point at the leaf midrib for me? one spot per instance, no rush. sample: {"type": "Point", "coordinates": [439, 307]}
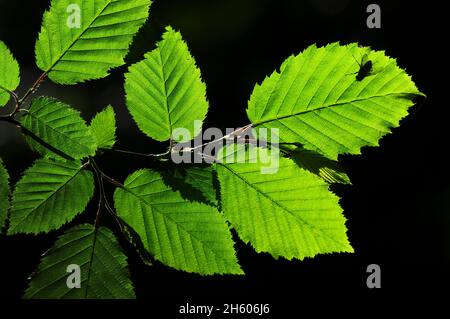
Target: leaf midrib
{"type": "Point", "coordinates": [166, 98]}
{"type": "Point", "coordinates": [5, 89]}
{"type": "Point", "coordinates": [63, 52]}
{"type": "Point", "coordinates": [280, 118]}
{"type": "Point", "coordinates": [94, 241]}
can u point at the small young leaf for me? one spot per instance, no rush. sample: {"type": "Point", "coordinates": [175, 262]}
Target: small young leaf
{"type": "Point", "coordinates": [103, 267]}
{"type": "Point", "coordinates": [50, 194]}
{"type": "Point", "coordinates": [165, 91]}
{"type": "Point", "coordinates": [83, 39]}
{"type": "Point", "coordinates": [184, 235]}
{"type": "Point", "coordinates": [4, 194]}
{"type": "Point", "coordinates": [103, 128]}
{"type": "Point", "coordinates": [9, 74]}
{"type": "Point", "coordinates": [317, 101]}
{"type": "Point", "coordinates": [61, 127]}
{"type": "Point", "coordinates": [290, 213]}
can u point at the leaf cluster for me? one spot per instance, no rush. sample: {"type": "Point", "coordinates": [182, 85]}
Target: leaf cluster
{"type": "Point", "coordinates": [184, 217]}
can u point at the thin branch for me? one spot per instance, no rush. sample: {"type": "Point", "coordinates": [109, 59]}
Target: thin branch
{"type": "Point", "coordinates": [126, 230]}
{"type": "Point", "coordinates": [101, 193]}
{"type": "Point", "coordinates": [110, 209]}
{"type": "Point", "coordinates": [171, 145]}
{"type": "Point", "coordinates": [137, 153]}
{"type": "Point", "coordinates": [33, 89]}
{"type": "Point", "coordinates": [104, 176]}
{"type": "Point", "coordinates": [16, 100]}
{"type": "Point", "coordinates": [236, 133]}
{"type": "Point", "coordinates": [12, 93]}
{"type": "Point", "coordinates": [10, 118]}
{"type": "Point", "coordinates": [101, 199]}
{"type": "Point", "coordinates": [206, 156]}
{"type": "Point", "coordinates": [19, 101]}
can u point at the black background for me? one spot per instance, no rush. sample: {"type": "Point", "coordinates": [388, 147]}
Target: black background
{"type": "Point", "coordinates": [397, 208]}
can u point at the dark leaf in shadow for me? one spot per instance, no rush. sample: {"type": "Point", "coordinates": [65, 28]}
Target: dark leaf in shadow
{"type": "Point", "coordinates": [194, 183]}
{"type": "Point", "coordinates": [316, 163]}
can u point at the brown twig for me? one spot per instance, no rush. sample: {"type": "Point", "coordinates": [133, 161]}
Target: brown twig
{"type": "Point", "coordinates": [32, 90]}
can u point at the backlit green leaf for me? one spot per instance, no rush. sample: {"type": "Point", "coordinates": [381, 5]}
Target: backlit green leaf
{"type": "Point", "coordinates": [50, 194]}
{"type": "Point", "coordinates": [103, 267]}
{"type": "Point", "coordinates": [103, 128]}
{"type": "Point", "coordinates": [59, 126]}
{"type": "Point", "coordinates": [165, 92]}
{"type": "Point", "coordinates": [83, 39]}
{"type": "Point", "coordinates": [185, 235]}
{"type": "Point", "coordinates": [278, 207]}
{"type": "Point", "coordinates": [316, 100]}
{"type": "Point", "coordinates": [9, 74]}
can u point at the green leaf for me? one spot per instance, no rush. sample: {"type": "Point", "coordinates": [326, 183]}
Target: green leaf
{"type": "Point", "coordinates": [103, 128]}
{"type": "Point", "coordinates": [289, 213]}
{"type": "Point", "coordinates": [164, 92]}
{"type": "Point", "coordinates": [9, 74]}
{"type": "Point", "coordinates": [73, 50]}
{"type": "Point", "coordinates": [185, 235]}
{"type": "Point", "coordinates": [4, 194]}
{"type": "Point", "coordinates": [103, 267]}
{"type": "Point", "coordinates": [59, 126]}
{"type": "Point", "coordinates": [317, 101]}
{"type": "Point", "coordinates": [50, 194]}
